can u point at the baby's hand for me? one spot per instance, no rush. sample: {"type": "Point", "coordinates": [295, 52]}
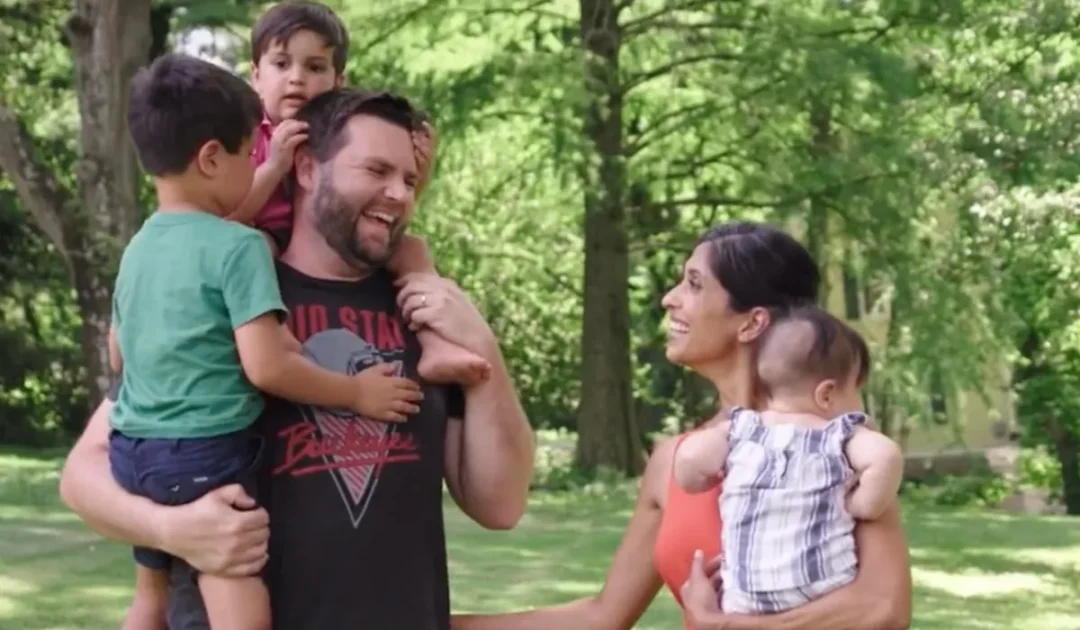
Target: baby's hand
{"type": "Point", "coordinates": [288, 135]}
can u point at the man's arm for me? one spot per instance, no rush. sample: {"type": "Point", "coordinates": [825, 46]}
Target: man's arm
{"type": "Point", "coordinates": [88, 488]}
{"type": "Point", "coordinates": [489, 456]}
{"type": "Point", "coordinates": [878, 599]}
{"type": "Point", "coordinates": [220, 533]}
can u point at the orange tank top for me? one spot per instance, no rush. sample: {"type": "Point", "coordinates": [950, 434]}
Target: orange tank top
{"type": "Point", "coordinates": [689, 522]}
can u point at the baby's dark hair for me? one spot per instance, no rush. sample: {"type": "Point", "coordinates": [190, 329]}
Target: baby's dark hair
{"type": "Point", "coordinates": [284, 19]}
{"type": "Point", "coordinates": [179, 103]}
{"type": "Point", "coordinates": [806, 345]}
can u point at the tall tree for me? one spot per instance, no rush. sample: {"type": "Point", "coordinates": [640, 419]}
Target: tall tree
{"type": "Point", "coordinates": [109, 41]}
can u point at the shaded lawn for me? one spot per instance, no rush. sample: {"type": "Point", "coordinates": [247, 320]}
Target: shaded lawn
{"type": "Point", "coordinates": [972, 570]}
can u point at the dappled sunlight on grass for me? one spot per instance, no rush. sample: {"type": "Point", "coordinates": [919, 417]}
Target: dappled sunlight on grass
{"type": "Point", "coordinates": [972, 570]}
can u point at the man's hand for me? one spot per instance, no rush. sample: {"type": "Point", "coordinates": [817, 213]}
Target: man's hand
{"type": "Point", "coordinates": [424, 142]}
{"type": "Point", "coordinates": [699, 593]}
{"type": "Point", "coordinates": [385, 397]}
{"type": "Point", "coordinates": [289, 135]}
{"type": "Point", "coordinates": [221, 533]}
{"type": "Point", "coordinates": [437, 303]}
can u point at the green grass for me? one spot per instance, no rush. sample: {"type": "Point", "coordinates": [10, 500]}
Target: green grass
{"type": "Point", "coordinates": [972, 570]}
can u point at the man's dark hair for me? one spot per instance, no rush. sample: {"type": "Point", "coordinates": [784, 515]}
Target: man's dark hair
{"type": "Point", "coordinates": [327, 113]}
{"type": "Point", "coordinates": [808, 344]}
{"type": "Point", "coordinates": [179, 103]}
{"type": "Point", "coordinates": [284, 19]}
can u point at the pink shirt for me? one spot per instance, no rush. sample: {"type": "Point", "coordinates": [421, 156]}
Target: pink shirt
{"type": "Point", "coordinates": [277, 213]}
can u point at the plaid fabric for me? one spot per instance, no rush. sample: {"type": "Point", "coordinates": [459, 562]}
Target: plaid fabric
{"type": "Point", "coordinates": [787, 538]}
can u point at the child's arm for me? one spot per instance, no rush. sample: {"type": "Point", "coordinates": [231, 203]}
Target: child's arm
{"type": "Point", "coordinates": [288, 135]}
{"type": "Point", "coordinates": [700, 459]}
{"type": "Point", "coordinates": [270, 356]}
{"type": "Point", "coordinates": [879, 466]}
{"type": "Point", "coordinates": [411, 256]}
{"type": "Point", "coordinates": [116, 362]}
{"type": "Point", "coordinates": [273, 365]}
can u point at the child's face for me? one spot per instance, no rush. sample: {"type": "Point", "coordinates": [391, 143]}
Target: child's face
{"type": "Point", "coordinates": [291, 73]}
{"type": "Point", "coordinates": [226, 177]}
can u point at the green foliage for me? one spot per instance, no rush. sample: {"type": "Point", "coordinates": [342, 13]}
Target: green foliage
{"type": "Point", "coordinates": [868, 127]}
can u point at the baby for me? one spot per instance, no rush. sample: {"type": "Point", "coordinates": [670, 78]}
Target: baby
{"type": "Point", "coordinates": [299, 50]}
{"type": "Point", "coordinates": [797, 474]}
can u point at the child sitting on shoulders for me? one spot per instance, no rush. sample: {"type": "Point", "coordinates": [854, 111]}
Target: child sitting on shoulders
{"type": "Point", "coordinates": [299, 50]}
{"type": "Point", "coordinates": [796, 474]}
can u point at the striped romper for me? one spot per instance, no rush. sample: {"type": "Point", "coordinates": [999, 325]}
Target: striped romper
{"type": "Point", "coordinates": [786, 537]}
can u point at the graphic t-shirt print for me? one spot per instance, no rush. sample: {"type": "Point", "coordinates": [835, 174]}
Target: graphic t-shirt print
{"type": "Point", "coordinates": [352, 449]}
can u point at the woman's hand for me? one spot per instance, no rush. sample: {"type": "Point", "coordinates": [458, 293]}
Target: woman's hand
{"type": "Point", "coordinates": [700, 594]}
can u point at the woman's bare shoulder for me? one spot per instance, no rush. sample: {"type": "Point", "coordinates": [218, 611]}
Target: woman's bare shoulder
{"type": "Point", "coordinates": [657, 477]}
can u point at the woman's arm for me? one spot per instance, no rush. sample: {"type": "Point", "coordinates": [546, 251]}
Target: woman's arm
{"type": "Point", "coordinates": [878, 599]}
{"type": "Point", "coordinates": [631, 582]}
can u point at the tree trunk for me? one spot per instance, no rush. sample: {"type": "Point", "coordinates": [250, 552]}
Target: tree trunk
{"type": "Point", "coordinates": [607, 434]}
{"type": "Point", "coordinates": [1067, 447]}
{"type": "Point", "coordinates": [110, 40]}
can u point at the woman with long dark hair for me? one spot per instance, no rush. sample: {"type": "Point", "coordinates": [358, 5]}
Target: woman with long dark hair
{"type": "Point", "coordinates": [737, 275]}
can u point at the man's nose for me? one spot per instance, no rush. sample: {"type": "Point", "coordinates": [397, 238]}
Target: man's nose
{"type": "Point", "coordinates": [397, 190]}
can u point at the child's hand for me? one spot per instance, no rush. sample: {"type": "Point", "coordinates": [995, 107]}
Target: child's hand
{"type": "Point", "coordinates": [424, 150]}
{"type": "Point", "coordinates": [384, 397]}
{"type": "Point", "coordinates": [288, 135]}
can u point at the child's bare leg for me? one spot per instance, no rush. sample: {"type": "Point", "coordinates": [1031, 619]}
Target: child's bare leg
{"type": "Point", "coordinates": [440, 360]}
{"type": "Point", "coordinates": [235, 603]}
{"type": "Point", "coordinates": [148, 609]}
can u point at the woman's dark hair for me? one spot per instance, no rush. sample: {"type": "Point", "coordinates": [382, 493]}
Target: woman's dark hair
{"type": "Point", "coordinates": [761, 266]}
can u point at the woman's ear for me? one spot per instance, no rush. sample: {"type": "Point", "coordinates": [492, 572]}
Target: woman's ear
{"type": "Point", "coordinates": [756, 322]}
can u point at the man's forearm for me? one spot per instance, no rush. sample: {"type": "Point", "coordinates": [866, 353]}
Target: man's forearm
{"type": "Point", "coordinates": [497, 448]}
{"type": "Point", "coordinates": [88, 488]}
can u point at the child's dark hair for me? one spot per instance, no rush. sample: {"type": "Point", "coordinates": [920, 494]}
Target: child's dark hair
{"type": "Point", "coordinates": [284, 19]}
{"type": "Point", "coordinates": [179, 103]}
{"type": "Point", "coordinates": [808, 344]}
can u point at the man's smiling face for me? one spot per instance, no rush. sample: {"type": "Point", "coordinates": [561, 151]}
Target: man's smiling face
{"type": "Point", "coordinates": [364, 195]}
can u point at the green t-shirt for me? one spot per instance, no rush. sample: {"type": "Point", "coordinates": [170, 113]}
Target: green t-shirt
{"type": "Point", "coordinates": [187, 280]}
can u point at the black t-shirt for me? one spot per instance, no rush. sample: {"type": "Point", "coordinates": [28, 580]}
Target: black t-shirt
{"type": "Point", "coordinates": [356, 524]}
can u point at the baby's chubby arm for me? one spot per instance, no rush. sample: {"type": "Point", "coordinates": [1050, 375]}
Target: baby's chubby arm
{"type": "Point", "coordinates": [879, 467]}
{"type": "Point", "coordinates": [700, 459]}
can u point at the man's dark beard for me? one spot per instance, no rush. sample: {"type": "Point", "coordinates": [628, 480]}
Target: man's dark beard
{"type": "Point", "coordinates": [336, 221]}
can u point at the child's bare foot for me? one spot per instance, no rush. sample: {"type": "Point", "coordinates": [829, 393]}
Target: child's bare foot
{"type": "Point", "coordinates": [444, 362]}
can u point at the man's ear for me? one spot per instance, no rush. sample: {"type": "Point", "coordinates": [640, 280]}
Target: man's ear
{"type": "Point", "coordinates": [339, 81]}
{"type": "Point", "coordinates": [305, 166]}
